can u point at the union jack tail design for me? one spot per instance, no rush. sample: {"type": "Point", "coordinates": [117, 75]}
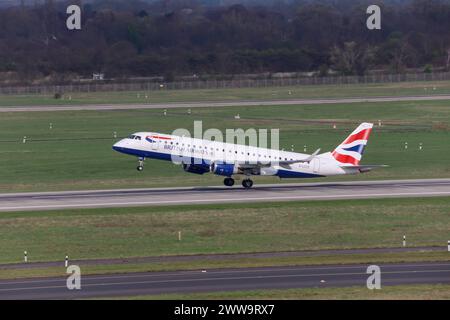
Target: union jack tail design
{"type": "Point", "coordinates": [351, 150]}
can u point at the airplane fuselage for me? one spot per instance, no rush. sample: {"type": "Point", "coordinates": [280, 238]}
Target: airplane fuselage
{"type": "Point", "coordinates": [198, 155]}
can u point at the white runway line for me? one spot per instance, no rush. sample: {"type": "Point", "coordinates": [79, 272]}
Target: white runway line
{"type": "Point", "coordinates": [225, 200]}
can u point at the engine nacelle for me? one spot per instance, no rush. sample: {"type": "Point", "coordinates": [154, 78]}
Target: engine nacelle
{"type": "Point", "coordinates": [223, 169]}
{"type": "Point", "coordinates": [195, 168]}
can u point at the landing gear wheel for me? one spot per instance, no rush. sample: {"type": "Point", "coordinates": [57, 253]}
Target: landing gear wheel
{"type": "Point", "coordinates": [229, 182]}
{"type": "Point", "coordinates": [247, 183]}
{"type": "Point", "coordinates": [140, 167]}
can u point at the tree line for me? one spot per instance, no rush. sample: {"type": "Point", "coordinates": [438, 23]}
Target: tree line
{"type": "Point", "coordinates": [184, 37]}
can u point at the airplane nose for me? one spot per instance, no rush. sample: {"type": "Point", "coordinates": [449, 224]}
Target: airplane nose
{"type": "Point", "coordinates": [118, 146]}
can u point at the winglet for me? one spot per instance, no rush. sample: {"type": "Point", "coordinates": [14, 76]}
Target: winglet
{"type": "Point", "coordinates": [311, 157]}
{"type": "Point", "coordinates": [286, 164]}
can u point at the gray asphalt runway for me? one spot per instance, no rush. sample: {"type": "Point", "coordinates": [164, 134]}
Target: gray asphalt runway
{"type": "Point", "coordinates": [199, 195]}
{"type": "Point", "coordinates": [216, 104]}
{"type": "Point", "coordinates": [224, 280]}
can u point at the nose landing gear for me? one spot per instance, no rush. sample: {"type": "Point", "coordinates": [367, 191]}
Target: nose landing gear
{"type": "Point", "coordinates": [140, 167]}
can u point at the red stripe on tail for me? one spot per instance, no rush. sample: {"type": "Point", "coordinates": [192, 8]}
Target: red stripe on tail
{"type": "Point", "coordinates": [343, 158]}
{"type": "Point", "coordinates": [362, 135]}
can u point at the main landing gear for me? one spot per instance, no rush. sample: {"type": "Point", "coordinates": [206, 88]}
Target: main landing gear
{"type": "Point", "coordinates": [247, 183]}
{"type": "Point", "coordinates": [140, 167]}
{"type": "Point", "coordinates": [229, 182]}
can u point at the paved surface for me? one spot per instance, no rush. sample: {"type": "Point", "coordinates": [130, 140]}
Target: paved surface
{"type": "Point", "coordinates": [220, 257]}
{"type": "Point", "coordinates": [246, 103]}
{"type": "Point", "coordinates": [259, 193]}
{"type": "Point", "coordinates": [224, 280]}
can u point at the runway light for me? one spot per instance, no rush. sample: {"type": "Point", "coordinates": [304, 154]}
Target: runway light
{"type": "Point", "coordinates": [406, 145]}
{"type": "Point", "coordinates": [179, 235]}
{"type": "Point", "coordinates": [420, 146]}
{"type": "Point", "coordinates": [24, 139]}
{"type": "Point", "coordinates": [404, 240]}
{"type": "Point", "coordinates": [304, 148]}
{"type": "Point", "coordinates": [448, 246]}
{"type": "Point", "coordinates": [25, 256]}
{"type": "Point", "coordinates": [66, 262]}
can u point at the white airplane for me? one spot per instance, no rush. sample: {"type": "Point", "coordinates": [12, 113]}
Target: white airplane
{"type": "Point", "coordinates": [234, 161]}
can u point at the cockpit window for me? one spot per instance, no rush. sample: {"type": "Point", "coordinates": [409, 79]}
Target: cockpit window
{"type": "Point", "coordinates": [134, 137]}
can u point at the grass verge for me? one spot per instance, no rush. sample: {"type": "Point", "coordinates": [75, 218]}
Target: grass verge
{"type": "Point", "coordinates": [76, 153]}
{"type": "Point", "coordinates": [223, 228]}
{"type": "Point", "coordinates": [403, 292]}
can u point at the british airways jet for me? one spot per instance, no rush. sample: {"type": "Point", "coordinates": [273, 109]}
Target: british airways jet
{"type": "Point", "coordinates": [233, 161]}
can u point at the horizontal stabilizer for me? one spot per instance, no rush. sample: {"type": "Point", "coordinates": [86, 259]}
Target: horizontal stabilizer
{"type": "Point", "coordinates": [365, 168]}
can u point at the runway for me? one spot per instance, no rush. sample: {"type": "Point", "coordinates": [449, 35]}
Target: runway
{"type": "Point", "coordinates": [224, 280]}
{"type": "Point", "coordinates": [214, 194]}
{"type": "Point", "coordinates": [216, 104]}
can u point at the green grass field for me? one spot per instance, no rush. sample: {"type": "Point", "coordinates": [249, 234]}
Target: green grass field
{"type": "Point", "coordinates": [76, 153]}
{"type": "Point", "coordinates": [269, 93]}
{"type": "Point", "coordinates": [153, 231]}
{"type": "Point", "coordinates": [404, 292]}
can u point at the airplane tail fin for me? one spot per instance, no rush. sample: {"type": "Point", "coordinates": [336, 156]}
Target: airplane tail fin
{"type": "Point", "coordinates": [350, 151]}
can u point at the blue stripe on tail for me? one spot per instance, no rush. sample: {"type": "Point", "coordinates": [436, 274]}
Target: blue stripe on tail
{"type": "Point", "coordinates": [358, 148]}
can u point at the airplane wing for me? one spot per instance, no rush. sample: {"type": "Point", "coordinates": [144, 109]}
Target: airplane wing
{"type": "Point", "coordinates": [284, 163]}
